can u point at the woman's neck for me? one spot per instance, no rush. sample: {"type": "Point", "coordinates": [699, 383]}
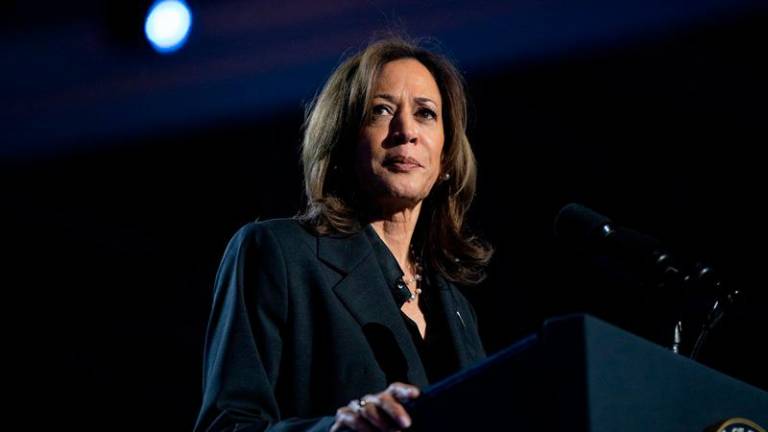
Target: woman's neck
{"type": "Point", "coordinates": [396, 230]}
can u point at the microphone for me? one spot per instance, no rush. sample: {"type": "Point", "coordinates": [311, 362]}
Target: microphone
{"type": "Point", "coordinates": [588, 230]}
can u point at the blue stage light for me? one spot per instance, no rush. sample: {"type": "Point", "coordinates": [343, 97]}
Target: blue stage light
{"type": "Point", "coordinates": [167, 25]}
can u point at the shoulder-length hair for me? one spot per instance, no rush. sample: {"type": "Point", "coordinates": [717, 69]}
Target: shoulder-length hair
{"type": "Point", "coordinates": [333, 122]}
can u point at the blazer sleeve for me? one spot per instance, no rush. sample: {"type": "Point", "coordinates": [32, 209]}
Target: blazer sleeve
{"type": "Point", "coordinates": [243, 342]}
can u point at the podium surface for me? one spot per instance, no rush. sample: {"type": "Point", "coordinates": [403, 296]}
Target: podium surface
{"type": "Point", "coordinates": [582, 374]}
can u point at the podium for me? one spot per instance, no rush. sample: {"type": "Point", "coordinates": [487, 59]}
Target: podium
{"type": "Point", "coordinates": [582, 374]}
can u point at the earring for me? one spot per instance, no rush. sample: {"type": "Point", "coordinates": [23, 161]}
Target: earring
{"type": "Point", "coordinates": [445, 176]}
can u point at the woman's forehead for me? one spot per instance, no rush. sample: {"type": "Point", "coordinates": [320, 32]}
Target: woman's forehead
{"type": "Point", "coordinates": [406, 77]}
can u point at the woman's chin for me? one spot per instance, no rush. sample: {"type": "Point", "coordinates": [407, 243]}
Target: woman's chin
{"type": "Point", "coordinates": [398, 192]}
{"type": "Point", "coordinates": [400, 198]}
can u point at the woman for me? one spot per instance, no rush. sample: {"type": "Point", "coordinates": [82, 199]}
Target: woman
{"type": "Point", "coordinates": [356, 298]}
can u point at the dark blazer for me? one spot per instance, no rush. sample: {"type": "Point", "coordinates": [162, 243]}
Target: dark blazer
{"type": "Point", "coordinates": [301, 324]}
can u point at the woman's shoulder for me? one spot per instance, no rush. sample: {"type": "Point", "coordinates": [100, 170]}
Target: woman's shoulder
{"type": "Point", "coordinates": [287, 232]}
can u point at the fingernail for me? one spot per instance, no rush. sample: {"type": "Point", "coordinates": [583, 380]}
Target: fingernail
{"type": "Point", "coordinates": [405, 422]}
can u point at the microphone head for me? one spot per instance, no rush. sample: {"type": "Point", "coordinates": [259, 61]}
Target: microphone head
{"type": "Point", "coordinates": [586, 229]}
{"type": "Point", "coordinates": [579, 225]}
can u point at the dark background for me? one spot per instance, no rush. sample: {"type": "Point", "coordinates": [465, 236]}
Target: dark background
{"type": "Point", "coordinates": [124, 173]}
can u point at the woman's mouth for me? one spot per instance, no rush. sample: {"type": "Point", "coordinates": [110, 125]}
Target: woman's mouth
{"type": "Point", "coordinates": [401, 163]}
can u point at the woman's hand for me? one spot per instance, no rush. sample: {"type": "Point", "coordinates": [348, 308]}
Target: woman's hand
{"type": "Point", "coordinates": [378, 412]}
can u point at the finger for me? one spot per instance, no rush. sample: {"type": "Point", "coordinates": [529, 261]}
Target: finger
{"type": "Point", "coordinates": [341, 419]}
{"type": "Point", "coordinates": [375, 414]}
{"type": "Point", "coordinates": [394, 410]}
{"type": "Point", "coordinates": [350, 418]}
{"type": "Point", "coordinates": [360, 424]}
{"type": "Point", "coordinates": [403, 392]}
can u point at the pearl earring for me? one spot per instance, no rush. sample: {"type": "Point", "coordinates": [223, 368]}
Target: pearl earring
{"type": "Point", "coordinates": [446, 176]}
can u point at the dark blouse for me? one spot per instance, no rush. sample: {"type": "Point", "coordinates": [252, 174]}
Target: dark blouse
{"type": "Point", "coordinates": [435, 349]}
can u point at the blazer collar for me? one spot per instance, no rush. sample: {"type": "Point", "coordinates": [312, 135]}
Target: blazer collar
{"type": "Point", "coordinates": [343, 252]}
{"type": "Point", "coordinates": [364, 291]}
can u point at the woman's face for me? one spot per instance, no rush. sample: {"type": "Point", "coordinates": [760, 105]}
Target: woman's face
{"type": "Point", "coordinates": [400, 147]}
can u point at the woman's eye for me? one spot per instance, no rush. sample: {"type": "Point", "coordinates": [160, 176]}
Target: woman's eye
{"type": "Point", "coordinates": [381, 110]}
{"type": "Point", "coordinates": [427, 113]}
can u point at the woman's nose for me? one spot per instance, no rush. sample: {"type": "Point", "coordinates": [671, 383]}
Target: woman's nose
{"type": "Point", "coordinates": [404, 128]}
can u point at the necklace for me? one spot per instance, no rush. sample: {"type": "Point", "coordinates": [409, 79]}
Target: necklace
{"type": "Point", "coordinates": [408, 281]}
{"type": "Point", "coordinates": [415, 280]}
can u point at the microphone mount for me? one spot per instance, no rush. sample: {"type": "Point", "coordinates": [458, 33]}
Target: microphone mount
{"type": "Point", "coordinates": [584, 227]}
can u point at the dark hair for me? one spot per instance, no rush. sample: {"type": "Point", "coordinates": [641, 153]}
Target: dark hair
{"type": "Point", "coordinates": [332, 124]}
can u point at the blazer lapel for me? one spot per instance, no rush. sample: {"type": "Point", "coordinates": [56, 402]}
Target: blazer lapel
{"type": "Point", "coordinates": [460, 324]}
{"type": "Point", "coordinates": [362, 289]}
